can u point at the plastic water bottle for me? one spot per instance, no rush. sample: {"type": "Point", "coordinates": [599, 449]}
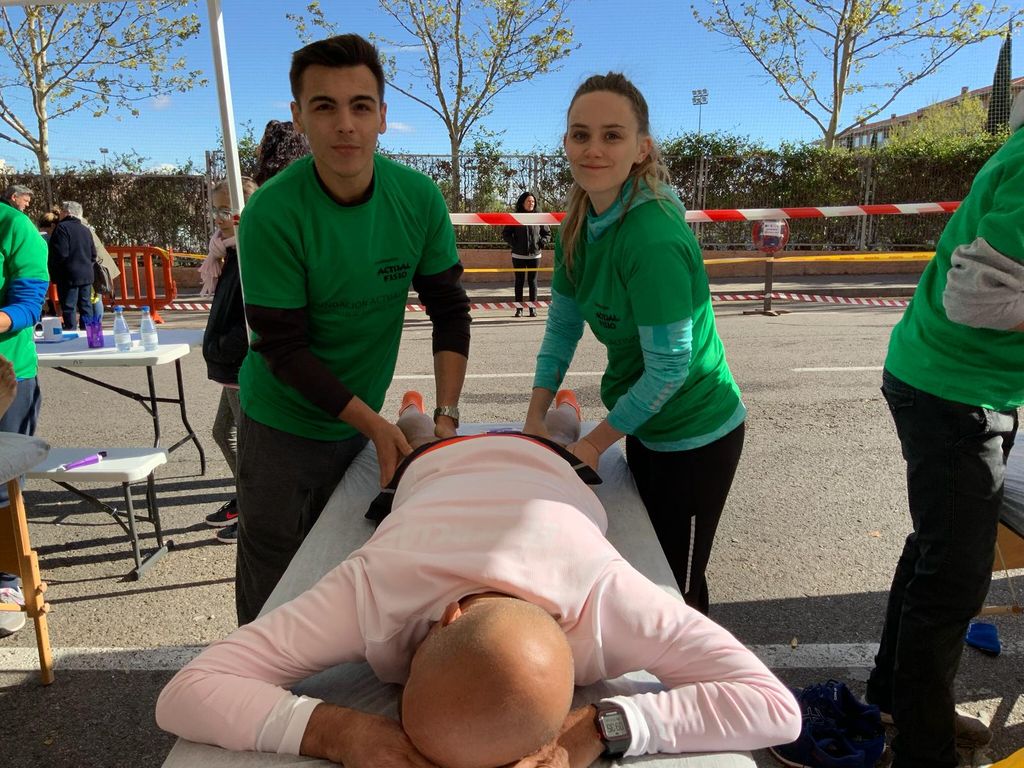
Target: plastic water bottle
{"type": "Point", "coordinates": [122, 336]}
{"type": "Point", "coordinates": [148, 332]}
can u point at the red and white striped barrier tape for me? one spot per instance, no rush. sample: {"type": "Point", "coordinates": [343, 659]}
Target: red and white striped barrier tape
{"type": "Point", "coordinates": [728, 214]}
{"type": "Point", "coordinates": [190, 306]}
{"type": "Point", "coordinates": [204, 306]}
{"type": "Point", "coordinates": [852, 300]}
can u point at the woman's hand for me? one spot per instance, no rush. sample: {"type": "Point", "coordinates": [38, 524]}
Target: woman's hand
{"type": "Point", "coordinates": [585, 451]}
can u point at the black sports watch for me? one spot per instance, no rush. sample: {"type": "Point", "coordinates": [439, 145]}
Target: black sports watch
{"type": "Point", "coordinates": [451, 411]}
{"type": "Point", "coordinates": [613, 727]}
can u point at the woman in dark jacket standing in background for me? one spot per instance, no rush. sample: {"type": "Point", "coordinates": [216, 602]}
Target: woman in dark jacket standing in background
{"type": "Point", "coordinates": [526, 242]}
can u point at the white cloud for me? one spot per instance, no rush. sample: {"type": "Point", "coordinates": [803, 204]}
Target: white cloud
{"type": "Point", "coordinates": [396, 49]}
{"type": "Point", "coordinates": [397, 127]}
{"type": "Point", "coordinates": [161, 102]}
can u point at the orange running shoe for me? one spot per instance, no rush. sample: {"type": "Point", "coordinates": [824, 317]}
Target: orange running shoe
{"type": "Point", "coordinates": [568, 397]}
{"type": "Point", "coordinates": [411, 399]}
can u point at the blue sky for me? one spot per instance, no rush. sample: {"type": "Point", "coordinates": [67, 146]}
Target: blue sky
{"type": "Point", "coordinates": [657, 43]}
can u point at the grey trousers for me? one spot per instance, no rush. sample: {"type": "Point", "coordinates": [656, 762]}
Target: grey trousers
{"type": "Point", "coordinates": [284, 481]}
{"type": "Point", "coordinates": [225, 427]}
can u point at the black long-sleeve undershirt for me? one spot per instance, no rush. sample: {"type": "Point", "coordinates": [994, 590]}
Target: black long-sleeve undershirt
{"type": "Point", "coordinates": [283, 338]}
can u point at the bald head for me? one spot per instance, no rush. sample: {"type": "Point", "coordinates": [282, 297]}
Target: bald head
{"type": "Point", "coordinates": [490, 687]}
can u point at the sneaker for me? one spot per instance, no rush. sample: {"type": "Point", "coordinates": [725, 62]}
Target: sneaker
{"type": "Point", "coordinates": [821, 744]}
{"type": "Point", "coordinates": [11, 621]}
{"type": "Point", "coordinates": [568, 397]}
{"type": "Point", "coordinates": [533, 312]}
{"type": "Point", "coordinates": [226, 515]}
{"type": "Point", "coordinates": [411, 399]}
{"type": "Point", "coordinates": [228, 534]}
{"type": "Point", "coordinates": [519, 313]}
{"type": "Point", "coordinates": [860, 723]}
{"type": "Point", "coordinates": [970, 731]}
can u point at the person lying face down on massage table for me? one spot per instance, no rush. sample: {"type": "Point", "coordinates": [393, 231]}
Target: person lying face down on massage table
{"type": "Point", "coordinates": [488, 591]}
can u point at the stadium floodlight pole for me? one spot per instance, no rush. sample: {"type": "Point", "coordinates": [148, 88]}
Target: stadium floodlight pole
{"type": "Point", "coordinates": [700, 98]}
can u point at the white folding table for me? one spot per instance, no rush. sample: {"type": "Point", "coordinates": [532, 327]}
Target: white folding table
{"type": "Point", "coordinates": [123, 466]}
{"type": "Point", "coordinates": [71, 356]}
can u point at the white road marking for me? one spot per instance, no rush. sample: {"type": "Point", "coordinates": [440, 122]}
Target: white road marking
{"type": "Point", "coordinates": [809, 656]}
{"type": "Point", "coordinates": [527, 375]}
{"type": "Point", "coordinates": [833, 370]}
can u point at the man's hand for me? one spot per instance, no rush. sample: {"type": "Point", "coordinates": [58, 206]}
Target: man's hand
{"type": "Point", "coordinates": [391, 447]}
{"type": "Point", "coordinates": [8, 384]}
{"type": "Point", "coordinates": [444, 427]}
{"type": "Point", "coordinates": [359, 740]}
{"type": "Point", "coordinates": [379, 742]}
{"type": "Point", "coordinates": [551, 755]}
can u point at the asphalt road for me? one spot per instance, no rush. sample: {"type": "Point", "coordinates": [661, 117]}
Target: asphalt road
{"type": "Point", "coordinates": [803, 557]}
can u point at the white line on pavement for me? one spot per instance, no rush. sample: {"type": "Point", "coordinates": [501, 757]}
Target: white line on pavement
{"type": "Point", "coordinates": [810, 656]}
{"type": "Point", "coordinates": [528, 375]}
{"type": "Point", "coordinates": [832, 370]}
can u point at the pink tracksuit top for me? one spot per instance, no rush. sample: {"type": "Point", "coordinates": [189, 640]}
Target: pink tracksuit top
{"type": "Point", "coordinates": [499, 514]}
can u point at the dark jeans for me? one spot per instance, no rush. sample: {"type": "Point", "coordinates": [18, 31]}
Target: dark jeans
{"type": "Point", "coordinates": [72, 297]}
{"type": "Point", "coordinates": [956, 461]}
{"type": "Point", "coordinates": [685, 492]}
{"type": "Point", "coordinates": [528, 277]}
{"type": "Point", "coordinates": [21, 417]}
{"type": "Point", "coordinates": [284, 481]}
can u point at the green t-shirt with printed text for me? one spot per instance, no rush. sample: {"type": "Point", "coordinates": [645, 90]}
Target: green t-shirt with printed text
{"type": "Point", "coordinates": [350, 267]}
{"type": "Point", "coordinates": [647, 270]}
{"type": "Point", "coordinates": [976, 366]}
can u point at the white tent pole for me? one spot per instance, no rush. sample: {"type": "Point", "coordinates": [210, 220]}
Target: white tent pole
{"type": "Point", "coordinates": [227, 114]}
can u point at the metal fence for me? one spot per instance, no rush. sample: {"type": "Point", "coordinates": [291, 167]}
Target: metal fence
{"type": "Point", "coordinates": [172, 211]}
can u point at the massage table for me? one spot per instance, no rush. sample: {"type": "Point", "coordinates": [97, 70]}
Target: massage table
{"type": "Point", "coordinates": [1011, 529]}
{"type": "Point", "coordinates": [342, 528]}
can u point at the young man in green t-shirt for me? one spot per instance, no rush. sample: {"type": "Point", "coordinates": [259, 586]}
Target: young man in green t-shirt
{"type": "Point", "coordinates": [328, 249]}
{"type": "Point", "coordinates": [953, 379]}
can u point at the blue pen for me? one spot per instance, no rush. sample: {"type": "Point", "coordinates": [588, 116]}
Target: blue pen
{"type": "Point", "coordinates": [96, 458]}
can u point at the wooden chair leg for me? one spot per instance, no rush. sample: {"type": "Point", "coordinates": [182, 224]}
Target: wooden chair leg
{"type": "Point", "coordinates": [31, 584]}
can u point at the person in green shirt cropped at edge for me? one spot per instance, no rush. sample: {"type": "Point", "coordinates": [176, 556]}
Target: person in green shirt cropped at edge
{"type": "Point", "coordinates": [24, 281]}
{"type": "Point", "coordinates": [328, 249]}
{"type": "Point", "coordinates": [953, 381]}
{"type": "Point", "coordinates": [627, 265]}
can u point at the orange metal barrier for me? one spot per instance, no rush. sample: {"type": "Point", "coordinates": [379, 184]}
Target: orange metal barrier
{"type": "Point", "coordinates": [143, 283]}
{"type": "Point", "coordinates": [140, 278]}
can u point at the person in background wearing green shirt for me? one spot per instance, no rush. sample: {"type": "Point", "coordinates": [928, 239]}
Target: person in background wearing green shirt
{"type": "Point", "coordinates": [328, 249]}
{"type": "Point", "coordinates": [627, 265]}
{"type": "Point", "coordinates": [953, 380]}
{"type": "Point", "coordinates": [23, 285]}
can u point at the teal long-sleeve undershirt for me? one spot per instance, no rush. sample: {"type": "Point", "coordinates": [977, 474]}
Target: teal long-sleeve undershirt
{"type": "Point", "coordinates": [562, 333]}
{"type": "Point", "coordinates": [666, 351]}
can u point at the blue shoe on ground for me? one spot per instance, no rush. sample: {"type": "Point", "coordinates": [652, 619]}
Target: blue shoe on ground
{"type": "Point", "coordinates": [984, 637]}
{"type": "Point", "coordinates": [821, 745]}
{"type": "Point", "coordinates": [860, 723]}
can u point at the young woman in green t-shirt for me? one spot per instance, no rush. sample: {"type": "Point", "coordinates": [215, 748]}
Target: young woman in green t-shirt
{"type": "Point", "coordinates": [627, 265]}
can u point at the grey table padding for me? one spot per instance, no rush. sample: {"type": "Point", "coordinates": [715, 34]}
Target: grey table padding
{"type": "Point", "coordinates": [19, 453]}
{"type": "Point", "coordinates": [1013, 497]}
{"type": "Point", "coordinates": [342, 529]}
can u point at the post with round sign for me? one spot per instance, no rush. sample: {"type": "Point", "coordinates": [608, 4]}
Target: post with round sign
{"type": "Point", "coordinates": [770, 237]}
